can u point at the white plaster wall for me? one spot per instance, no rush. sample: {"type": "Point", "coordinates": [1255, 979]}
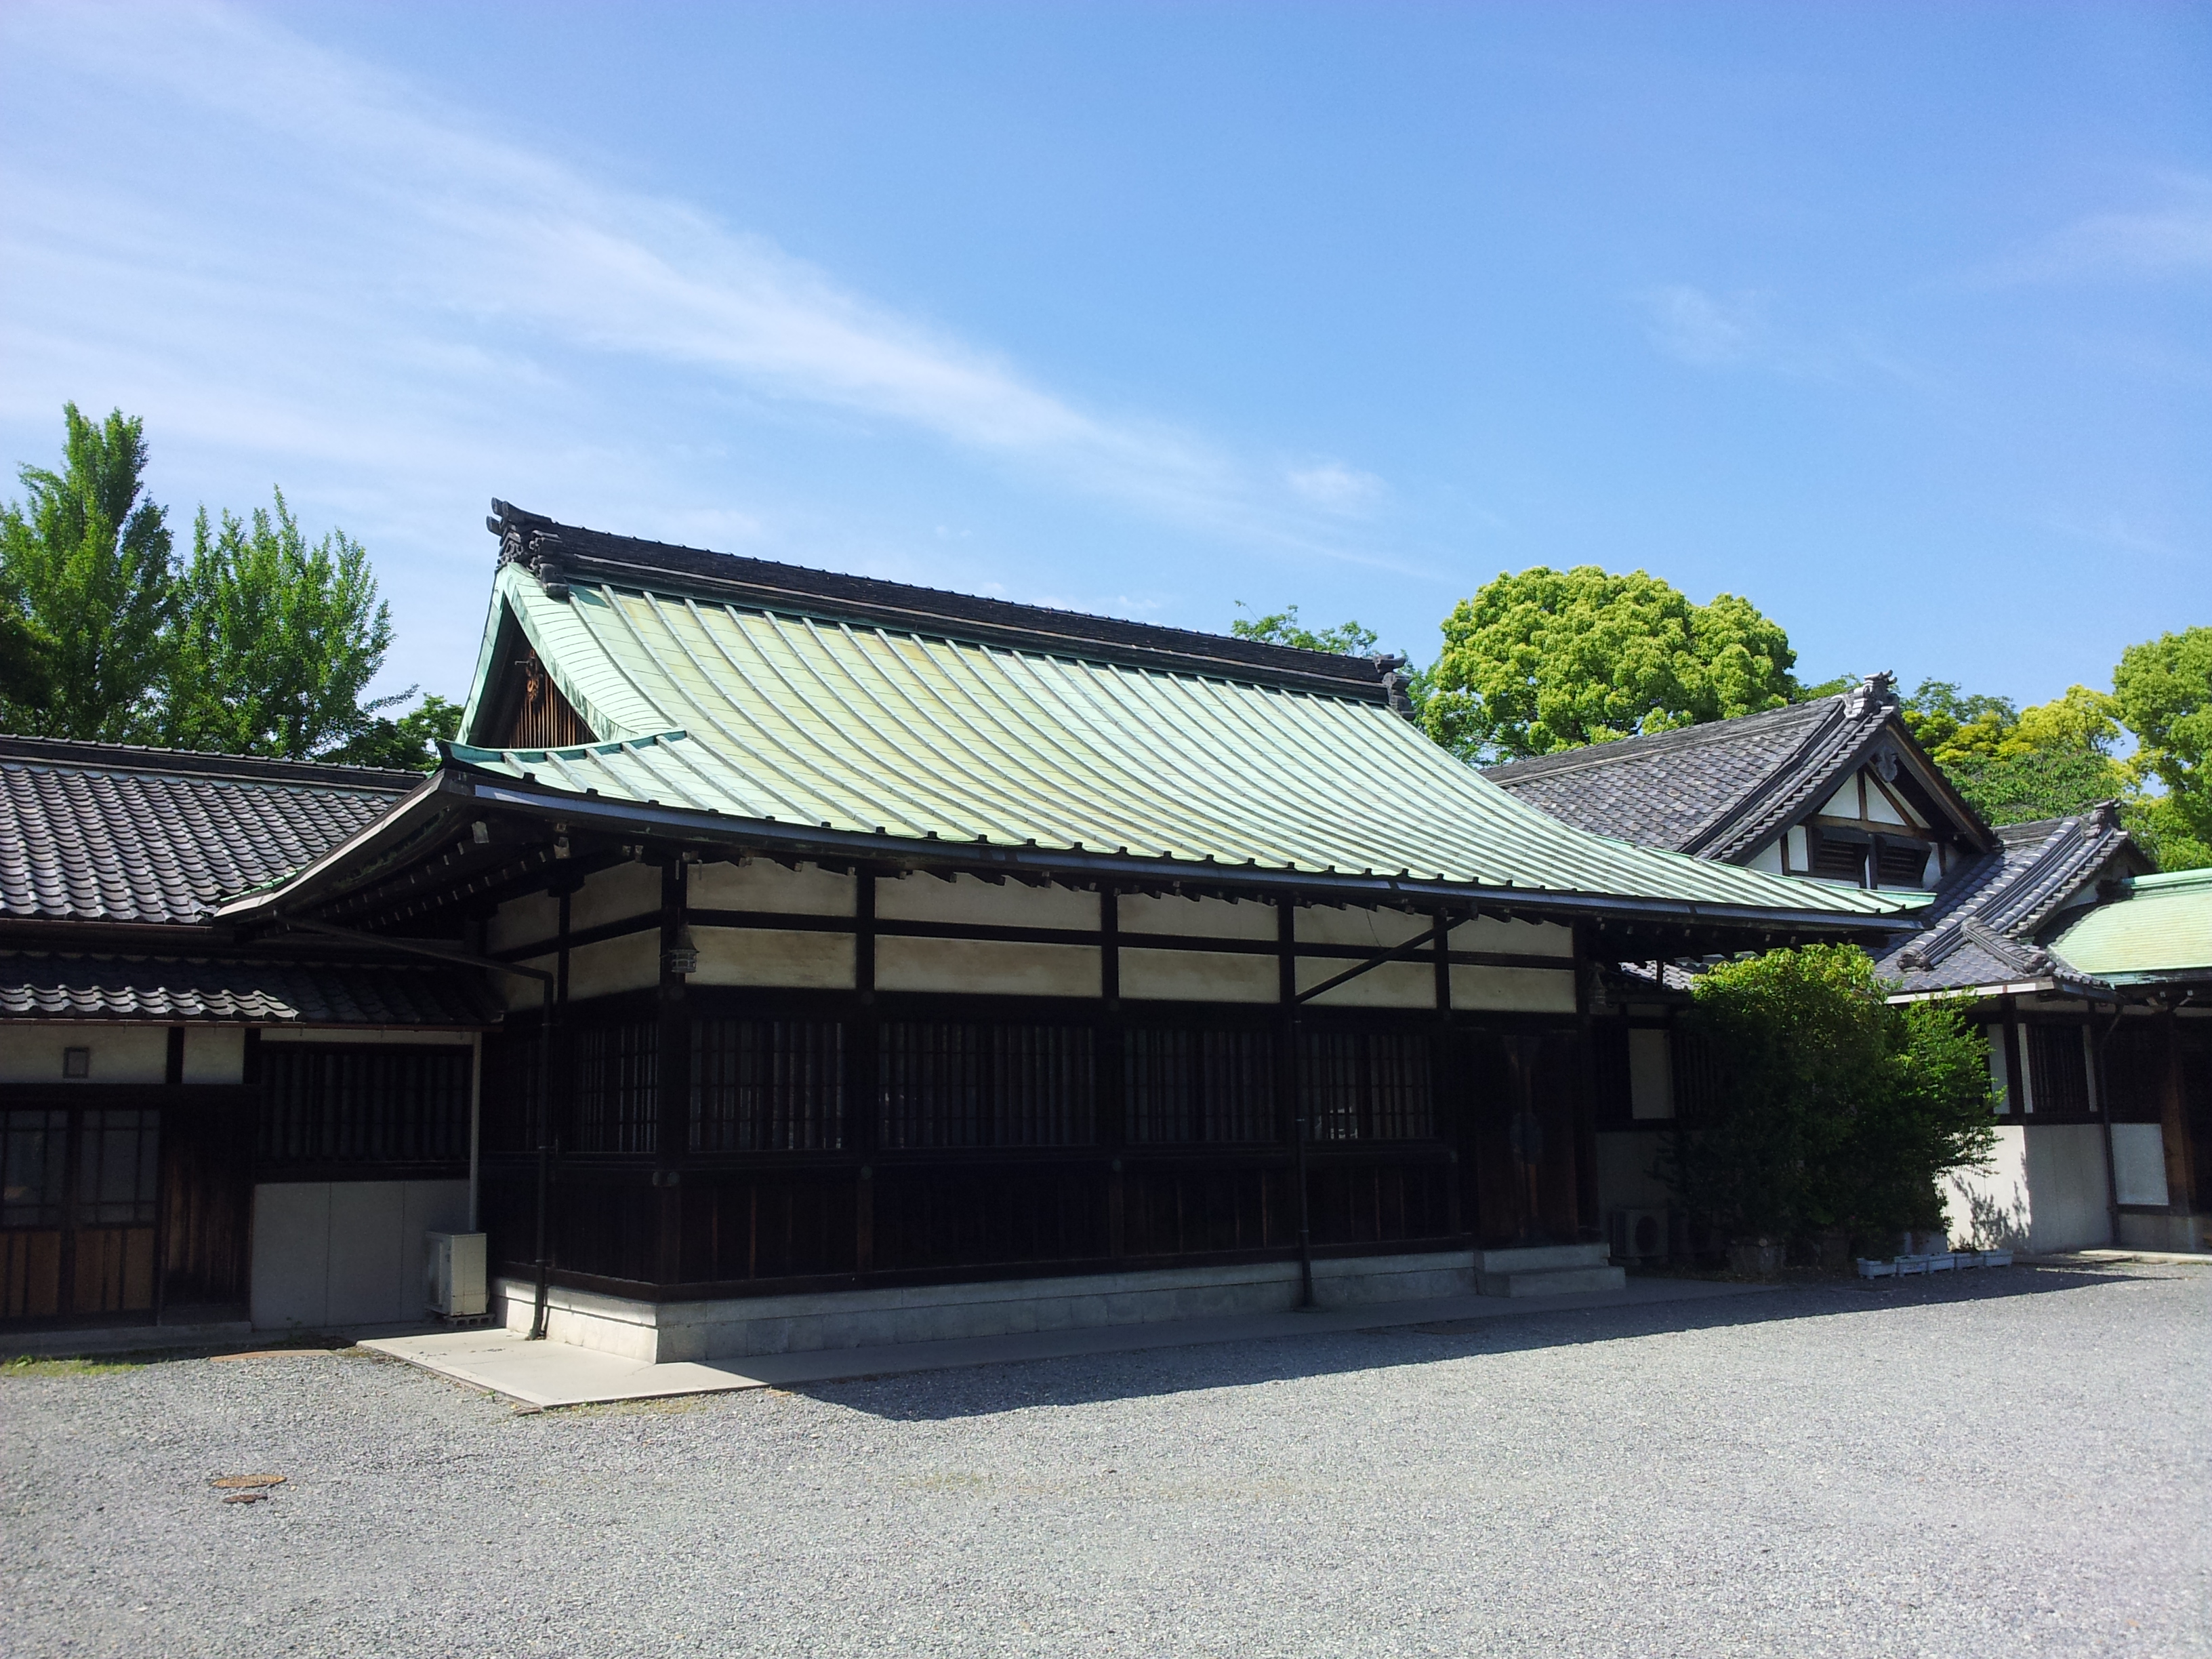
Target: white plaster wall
{"type": "Point", "coordinates": [1651, 1074]}
{"type": "Point", "coordinates": [1197, 977]}
{"type": "Point", "coordinates": [1394, 985]}
{"type": "Point", "coordinates": [970, 899]}
{"type": "Point", "coordinates": [613, 895]}
{"type": "Point", "coordinates": [2139, 1162]}
{"type": "Point", "coordinates": [1521, 939]}
{"type": "Point", "coordinates": [1323, 924]}
{"type": "Point", "coordinates": [516, 992]}
{"type": "Point", "coordinates": [338, 1253]}
{"type": "Point", "coordinates": [987, 967]}
{"type": "Point", "coordinates": [1625, 1163]}
{"type": "Point", "coordinates": [120, 1053]}
{"type": "Point", "coordinates": [764, 885]}
{"type": "Point", "coordinates": [766, 955]}
{"type": "Point", "coordinates": [1525, 990]}
{"type": "Point", "coordinates": [1201, 918]}
{"type": "Point", "coordinates": [214, 1054]}
{"type": "Point", "coordinates": [629, 963]}
{"type": "Point", "coordinates": [523, 921]}
{"type": "Point", "coordinates": [2044, 1189]}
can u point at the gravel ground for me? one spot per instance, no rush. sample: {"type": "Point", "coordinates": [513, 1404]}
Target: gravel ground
{"type": "Point", "coordinates": [2007, 1462]}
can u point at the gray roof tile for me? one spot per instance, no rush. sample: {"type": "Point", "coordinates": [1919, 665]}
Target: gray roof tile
{"type": "Point", "coordinates": [103, 832]}
{"type": "Point", "coordinates": [43, 986]}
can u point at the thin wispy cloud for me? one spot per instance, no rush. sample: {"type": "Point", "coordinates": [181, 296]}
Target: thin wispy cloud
{"type": "Point", "coordinates": [2170, 241]}
{"type": "Point", "coordinates": [1704, 330]}
{"type": "Point", "coordinates": [1335, 486]}
{"type": "Point", "coordinates": [406, 244]}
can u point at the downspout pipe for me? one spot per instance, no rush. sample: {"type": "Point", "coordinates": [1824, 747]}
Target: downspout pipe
{"type": "Point", "coordinates": [469, 959]}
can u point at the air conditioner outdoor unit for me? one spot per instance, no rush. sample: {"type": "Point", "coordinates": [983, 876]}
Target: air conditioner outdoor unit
{"type": "Point", "coordinates": [454, 1282]}
{"type": "Point", "coordinates": [1639, 1235]}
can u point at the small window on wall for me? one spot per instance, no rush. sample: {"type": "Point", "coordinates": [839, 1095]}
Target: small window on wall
{"type": "Point", "coordinates": [1650, 1075]}
{"type": "Point", "coordinates": [2055, 1067]}
{"type": "Point", "coordinates": [1839, 860]}
{"type": "Point", "coordinates": [1901, 864]}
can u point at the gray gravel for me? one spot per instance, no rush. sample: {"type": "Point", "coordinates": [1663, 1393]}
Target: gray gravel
{"type": "Point", "coordinates": [2015, 1461]}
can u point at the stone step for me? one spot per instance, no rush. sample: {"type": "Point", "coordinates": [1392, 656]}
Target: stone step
{"type": "Point", "coordinates": [1540, 1258]}
{"type": "Point", "coordinates": [1552, 1281]}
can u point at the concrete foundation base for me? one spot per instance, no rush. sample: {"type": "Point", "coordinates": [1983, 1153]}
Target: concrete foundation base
{"type": "Point", "coordinates": [663, 1333]}
{"type": "Point", "coordinates": [2185, 1233]}
{"type": "Point", "coordinates": [1546, 1270]}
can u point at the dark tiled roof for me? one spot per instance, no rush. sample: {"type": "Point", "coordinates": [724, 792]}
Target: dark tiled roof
{"type": "Point", "coordinates": [105, 832]}
{"type": "Point", "coordinates": [54, 986]}
{"type": "Point", "coordinates": [1721, 790]}
{"type": "Point", "coordinates": [1982, 926]}
{"type": "Point", "coordinates": [559, 552]}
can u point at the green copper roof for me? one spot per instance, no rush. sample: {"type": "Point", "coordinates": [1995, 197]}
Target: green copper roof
{"type": "Point", "coordinates": [2163, 926]}
{"type": "Point", "coordinates": [754, 713]}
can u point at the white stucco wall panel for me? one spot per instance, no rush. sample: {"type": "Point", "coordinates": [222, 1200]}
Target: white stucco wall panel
{"type": "Point", "coordinates": [631, 962]}
{"type": "Point", "coordinates": [1522, 990]}
{"type": "Point", "coordinates": [1197, 977]}
{"type": "Point", "coordinates": [1324, 923]}
{"type": "Point", "coordinates": [523, 921]}
{"type": "Point", "coordinates": [2043, 1189]}
{"type": "Point", "coordinates": [1201, 918]}
{"type": "Point", "coordinates": [120, 1053]}
{"type": "Point", "coordinates": [1395, 985]}
{"type": "Point", "coordinates": [986, 967]}
{"type": "Point", "coordinates": [214, 1054]}
{"type": "Point", "coordinates": [2139, 1162]}
{"type": "Point", "coordinates": [335, 1254]}
{"type": "Point", "coordinates": [765, 955]}
{"type": "Point", "coordinates": [615, 895]}
{"type": "Point", "coordinates": [1520, 938]}
{"type": "Point", "coordinates": [971, 900]}
{"type": "Point", "coordinates": [764, 885]}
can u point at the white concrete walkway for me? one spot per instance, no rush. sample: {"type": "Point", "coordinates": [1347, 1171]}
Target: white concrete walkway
{"type": "Point", "coordinates": [557, 1374]}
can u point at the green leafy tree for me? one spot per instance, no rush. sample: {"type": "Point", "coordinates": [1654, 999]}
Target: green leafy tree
{"type": "Point", "coordinates": [2015, 765]}
{"type": "Point", "coordinates": [408, 743]}
{"type": "Point", "coordinates": [1551, 659]}
{"type": "Point", "coordinates": [277, 639]}
{"type": "Point", "coordinates": [85, 566]}
{"type": "Point", "coordinates": [1282, 627]}
{"type": "Point", "coordinates": [1834, 1109]}
{"type": "Point", "coordinates": [2163, 689]}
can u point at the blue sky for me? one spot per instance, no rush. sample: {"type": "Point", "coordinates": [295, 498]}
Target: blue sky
{"type": "Point", "coordinates": [1897, 320]}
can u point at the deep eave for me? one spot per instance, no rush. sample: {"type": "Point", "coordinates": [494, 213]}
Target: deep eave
{"type": "Point", "coordinates": [429, 823]}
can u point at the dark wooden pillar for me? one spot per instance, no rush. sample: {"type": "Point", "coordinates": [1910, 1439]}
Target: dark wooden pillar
{"type": "Point", "coordinates": [1589, 1225]}
{"type": "Point", "coordinates": [864, 1048]}
{"type": "Point", "coordinates": [2174, 1123]}
{"type": "Point", "coordinates": [1445, 1099]}
{"type": "Point", "coordinates": [672, 1141]}
{"type": "Point", "coordinates": [1113, 1066]}
{"type": "Point", "coordinates": [2016, 1061]}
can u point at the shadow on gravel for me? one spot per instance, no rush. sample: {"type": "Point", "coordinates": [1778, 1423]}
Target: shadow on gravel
{"type": "Point", "coordinates": [1090, 1379]}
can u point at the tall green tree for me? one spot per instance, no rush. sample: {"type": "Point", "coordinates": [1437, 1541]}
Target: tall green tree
{"type": "Point", "coordinates": [2164, 690]}
{"type": "Point", "coordinates": [85, 564]}
{"type": "Point", "coordinates": [1551, 659]}
{"type": "Point", "coordinates": [409, 743]}
{"type": "Point", "coordinates": [1282, 627]}
{"type": "Point", "coordinates": [277, 639]}
{"type": "Point", "coordinates": [1834, 1109]}
{"type": "Point", "coordinates": [2015, 765]}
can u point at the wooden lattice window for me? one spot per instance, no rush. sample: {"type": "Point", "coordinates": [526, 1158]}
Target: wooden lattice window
{"type": "Point", "coordinates": [363, 1105]}
{"type": "Point", "coordinates": [2059, 1068]}
{"type": "Point", "coordinates": [762, 1086]}
{"type": "Point", "coordinates": [616, 1077]}
{"type": "Point", "coordinates": [1201, 1086]}
{"type": "Point", "coordinates": [1368, 1085]}
{"type": "Point", "coordinates": [544, 719]}
{"type": "Point", "coordinates": [944, 1083]}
